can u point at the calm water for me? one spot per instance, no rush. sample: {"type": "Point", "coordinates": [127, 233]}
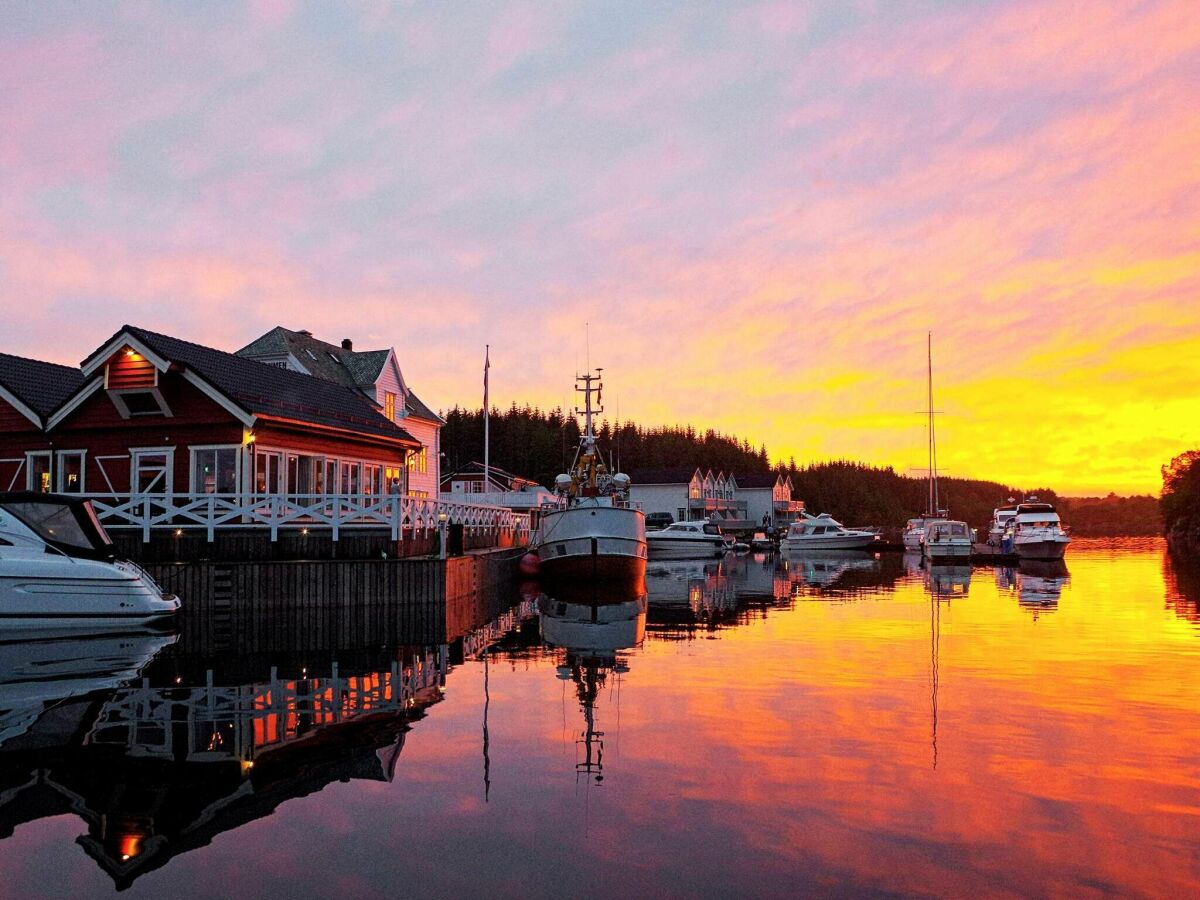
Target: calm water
{"type": "Point", "coordinates": [829, 725]}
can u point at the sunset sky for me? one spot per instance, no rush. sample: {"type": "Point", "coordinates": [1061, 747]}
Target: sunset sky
{"type": "Point", "coordinates": [760, 208]}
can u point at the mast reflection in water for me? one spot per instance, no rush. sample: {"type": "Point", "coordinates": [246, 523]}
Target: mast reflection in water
{"type": "Point", "coordinates": [835, 725]}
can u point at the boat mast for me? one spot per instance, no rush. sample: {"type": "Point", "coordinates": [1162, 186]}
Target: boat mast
{"type": "Point", "coordinates": [934, 500]}
{"type": "Point", "coordinates": [588, 411]}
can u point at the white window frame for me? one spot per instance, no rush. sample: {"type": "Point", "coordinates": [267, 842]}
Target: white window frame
{"type": "Point", "coordinates": [136, 452]}
{"type": "Point", "coordinates": [60, 472]}
{"type": "Point", "coordinates": [281, 455]}
{"type": "Point", "coordinates": [30, 455]}
{"type": "Point", "coordinates": [194, 488]}
{"type": "Point", "coordinates": [118, 399]}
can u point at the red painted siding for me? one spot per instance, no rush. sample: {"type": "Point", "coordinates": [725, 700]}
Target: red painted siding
{"type": "Point", "coordinates": [126, 370]}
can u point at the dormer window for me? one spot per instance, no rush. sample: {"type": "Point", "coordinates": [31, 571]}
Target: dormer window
{"type": "Point", "coordinates": [389, 406]}
{"type": "Point", "coordinates": [146, 402]}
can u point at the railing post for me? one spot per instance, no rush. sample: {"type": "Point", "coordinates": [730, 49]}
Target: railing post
{"type": "Point", "coordinates": [212, 514]}
{"type": "Point", "coordinates": [145, 521]}
{"type": "Point", "coordinates": [395, 501]}
{"type": "Point", "coordinates": [274, 518]}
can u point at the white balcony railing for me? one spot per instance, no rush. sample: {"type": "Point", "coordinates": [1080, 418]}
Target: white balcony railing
{"type": "Point", "coordinates": [220, 512]}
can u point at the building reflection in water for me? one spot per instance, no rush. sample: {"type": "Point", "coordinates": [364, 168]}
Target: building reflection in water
{"type": "Point", "coordinates": [591, 628]}
{"type": "Point", "coordinates": [159, 743]}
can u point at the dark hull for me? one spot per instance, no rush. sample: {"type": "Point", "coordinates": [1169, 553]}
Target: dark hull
{"type": "Point", "coordinates": [595, 568]}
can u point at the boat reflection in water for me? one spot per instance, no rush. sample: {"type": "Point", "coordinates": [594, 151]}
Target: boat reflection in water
{"type": "Point", "coordinates": [45, 684]}
{"type": "Point", "coordinates": [592, 626]}
{"type": "Point", "coordinates": [824, 569]}
{"type": "Point", "coordinates": [1038, 584]}
{"type": "Point", "coordinates": [947, 582]}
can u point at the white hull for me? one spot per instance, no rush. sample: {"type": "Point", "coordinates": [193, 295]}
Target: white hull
{"type": "Point", "coordinates": [663, 546]}
{"type": "Point", "coordinates": [1041, 548]}
{"type": "Point", "coordinates": [593, 539]}
{"type": "Point", "coordinates": [826, 542]}
{"type": "Point", "coordinates": [912, 540]}
{"type": "Point", "coordinates": [55, 593]}
{"type": "Point", "coordinates": [593, 628]}
{"type": "Point", "coordinates": [947, 550]}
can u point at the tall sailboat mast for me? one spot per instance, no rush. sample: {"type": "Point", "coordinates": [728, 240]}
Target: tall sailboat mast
{"type": "Point", "coordinates": [934, 500]}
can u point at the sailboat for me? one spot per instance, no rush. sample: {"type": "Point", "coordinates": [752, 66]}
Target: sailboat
{"type": "Point", "coordinates": [596, 533]}
{"type": "Point", "coordinates": [941, 539]}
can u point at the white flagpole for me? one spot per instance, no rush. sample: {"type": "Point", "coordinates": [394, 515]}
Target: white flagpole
{"type": "Point", "coordinates": [486, 415]}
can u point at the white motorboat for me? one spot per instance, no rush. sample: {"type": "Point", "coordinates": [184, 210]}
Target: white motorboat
{"type": "Point", "coordinates": [687, 540]}
{"type": "Point", "coordinates": [914, 531]}
{"type": "Point", "coordinates": [58, 570]}
{"type": "Point", "coordinates": [1036, 532]}
{"type": "Point", "coordinates": [1001, 516]}
{"type": "Point", "coordinates": [947, 540]}
{"type": "Point", "coordinates": [596, 532]}
{"type": "Point", "coordinates": [823, 532]}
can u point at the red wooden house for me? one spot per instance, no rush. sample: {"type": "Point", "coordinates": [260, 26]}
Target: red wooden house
{"type": "Point", "coordinates": [147, 413]}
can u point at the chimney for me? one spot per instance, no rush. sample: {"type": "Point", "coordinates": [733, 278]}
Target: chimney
{"type": "Point", "coordinates": [348, 345]}
{"type": "Point", "coordinates": [305, 332]}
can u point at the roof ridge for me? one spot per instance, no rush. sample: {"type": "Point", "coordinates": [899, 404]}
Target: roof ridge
{"type": "Point", "coordinates": [42, 362]}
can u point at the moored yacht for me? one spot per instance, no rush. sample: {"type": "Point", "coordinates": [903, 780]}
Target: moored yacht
{"type": "Point", "coordinates": [58, 570]}
{"type": "Point", "coordinates": [1001, 516]}
{"type": "Point", "coordinates": [947, 540]}
{"type": "Point", "coordinates": [597, 532]}
{"type": "Point", "coordinates": [914, 531]}
{"type": "Point", "coordinates": [1036, 532]}
{"type": "Point", "coordinates": [823, 532]}
{"type": "Point", "coordinates": [687, 540]}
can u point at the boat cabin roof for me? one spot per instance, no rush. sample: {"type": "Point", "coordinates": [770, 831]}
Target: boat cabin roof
{"type": "Point", "coordinates": [694, 527]}
{"type": "Point", "coordinates": [68, 524]}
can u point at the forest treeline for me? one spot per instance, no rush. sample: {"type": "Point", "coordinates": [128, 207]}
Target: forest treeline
{"type": "Point", "coordinates": [1181, 502]}
{"type": "Point", "coordinates": [540, 444]}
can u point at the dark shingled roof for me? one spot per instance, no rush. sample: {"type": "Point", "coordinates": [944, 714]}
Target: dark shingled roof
{"type": "Point", "coordinates": [272, 391]}
{"type": "Point", "coordinates": [353, 368]}
{"type": "Point", "coordinates": [41, 386]}
{"type": "Point", "coordinates": [757, 479]}
{"type": "Point", "coordinates": [662, 476]}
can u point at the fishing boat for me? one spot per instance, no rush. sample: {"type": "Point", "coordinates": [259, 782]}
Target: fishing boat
{"type": "Point", "coordinates": [595, 532]}
{"type": "Point", "coordinates": [946, 541]}
{"type": "Point", "coordinates": [823, 532]}
{"type": "Point", "coordinates": [1036, 532]}
{"type": "Point", "coordinates": [58, 570]}
{"type": "Point", "coordinates": [916, 529]}
{"type": "Point", "coordinates": [687, 540]}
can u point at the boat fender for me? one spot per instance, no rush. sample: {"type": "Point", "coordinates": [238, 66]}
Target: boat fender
{"type": "Point", "coordinates": [530, 564]}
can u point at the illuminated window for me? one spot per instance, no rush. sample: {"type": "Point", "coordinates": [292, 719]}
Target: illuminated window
{"type": "Point", "coordinates": [389, 406]}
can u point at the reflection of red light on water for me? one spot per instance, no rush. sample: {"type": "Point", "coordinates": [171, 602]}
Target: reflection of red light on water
{"type": "Point", "coordinates": [131, 846]}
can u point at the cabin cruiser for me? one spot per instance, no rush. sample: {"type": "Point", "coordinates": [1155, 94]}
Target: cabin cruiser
{"type": "Point", "coordinates": [823, 532]}
{"type": "Point", "coordinates": [947, 540]}
{"type": "Point", "coordinates": [914, 531]}
{"type": "Point", "coordinates": [1035, 532]}
{"type": "Point", "coordinates": [687, 540]}
{"type": "Point", "coordinates": [595, 532]}
{"type": "Point", "coordinates": [58, 570]}
{"type": "Point", "coordinates": [1001, 516]}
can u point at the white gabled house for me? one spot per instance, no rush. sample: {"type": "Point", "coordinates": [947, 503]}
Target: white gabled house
{"type": "Point", "coordinates": [740, 501]}
{"type": "Point", "coordinates": [374, 372]}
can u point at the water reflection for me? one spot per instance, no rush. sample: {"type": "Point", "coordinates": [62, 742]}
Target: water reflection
{"type": "Point", "coordinates": [591, 628]}
{"type": "Point", "coordinates": [1182, 578]}
{"type": "Point", "coordinates": [945, 582]}
{"type": "Point", "coordinates": [898, 739]}
{"type": "Point", "coordinates": [1038, 584]}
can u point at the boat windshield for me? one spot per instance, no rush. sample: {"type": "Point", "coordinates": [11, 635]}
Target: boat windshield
{"type": "Point", "coordinates": [69, 526]}
{"type": "Point", "coordinates": [712, 529]}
